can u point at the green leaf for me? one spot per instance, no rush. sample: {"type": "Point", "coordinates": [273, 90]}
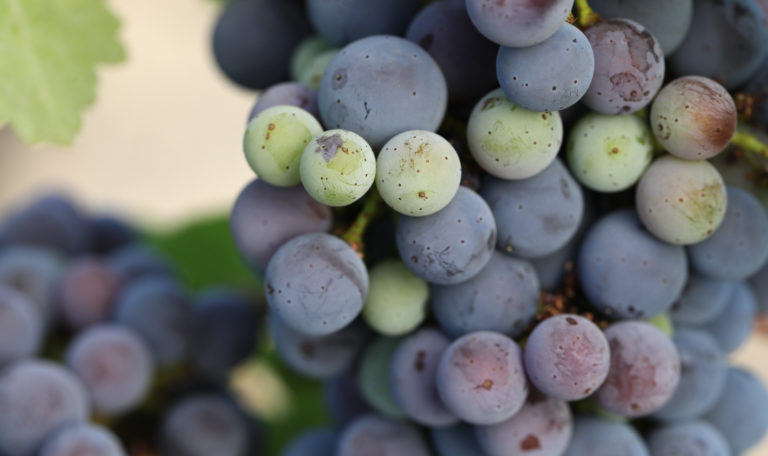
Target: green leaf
{"type": "Point", "coordinates": [49, 50]}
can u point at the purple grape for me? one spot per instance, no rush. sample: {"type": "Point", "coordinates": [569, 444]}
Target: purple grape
{"type": "Point", "coordinates": [595, 437]}
{"type": "Point", "coordinates": [567, 357]}
{"type": "Point", "coordinates": [458, 440]}
{"type": "Point", "coordinates": [413, 377]}
{"type": "Point", "coordinates": [204, 425]}
{"type": "Point", "coordinates": [316, 284]}
{"type": "Point", "coordinates": [481, 379]}
{"type": "Point", "coordinates": [693, 438]}
{"type": "Point", "coordinates": [759, 283]}
{"type": "Point", "coordinates": [287, 93]}
{"type": "Point", "coordinates": [36, 399]}
{"type": "Point", "coordinates": [645, 369]}
{"type": "Point", "coordinates": [316, 442]}
{"type": "Point", "coordinates": [629, 67]}
{"type": "Point", "coordinates": [86, 292]}
{"type": "Point", "coordinates": [503, 297]}
{"type": "Point", "coordinates": [21, 326]}
{"type": "Point", "coordinates": [733, 325]}
{"type": "Point", "coordinates": [342, 21]}
{"type": "Point", "coordinates": [741, 412]}
{"type": "Point", "coordinates": [108, 233]}
{"type": "Point", "coordinates": [83, 440]}
{"type": "Point", "coordinates": [374, 435]}
{"type": "Point", "coordinates": [114, 364]}
{"type": "Point", "coordinates": [702, 300]}
{"type": "Point", "coordinates": [541, 428]}
{"type": "Point", "coordinates": [51, 222]}
{"type": "Point", "coordinates": [518, 23]}
{"type": "Point", "coordinates": [135, 261]}
{"type": "Point", "coordinates": [343, 399]}
{"type": "Point", "coordinates": [34, 272]}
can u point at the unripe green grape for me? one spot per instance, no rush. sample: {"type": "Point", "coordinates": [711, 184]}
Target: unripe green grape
{"type": "Point", "coordinates": [511, 142]}
{"type": "Point", "coordinates": [313, 73]}
{"type": "Point", "coordinates": [418, 173]}
{"type": "Point", "coordinates": [305, 52]}
{"type": "Point", "coordinates": [373, 376]}
{"type": "Point", "coordinates": [664, 323]}
{"type": "Point", "coordinates": [681, 201]}
{"type": "Point", "coordinates": [397, 299]}
{"type": "Point", "coordinates": [275, 140]}
{"type": "Point", "coordinates": [337, 167]}
{"type": "Point", "coordinates": [609, 153]}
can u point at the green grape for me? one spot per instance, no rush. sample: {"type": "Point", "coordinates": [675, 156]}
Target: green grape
{"type": "Point", "coordinates": [664, 323]}
{"type": "Point", "coordinates": [313, 73]}
{"type": "Point", "coordinates": [418, 173]}
{"type": "Point", "coordinates": [397, 299]}
{"type": "Point", "coordinates": [373, 376]}
{"type": "Point", "coordinates": [337, 167]}
{"type": "Point", "coordinates": [511, 142]}
{"type": "Point", "coordinates": [305, 52]}
{"type": "Point", "coordinates": [275, 140]}
{"type": "Point", "coordinates": [609, 153]}
{"type": "Point", "coordinates": [681, 201]}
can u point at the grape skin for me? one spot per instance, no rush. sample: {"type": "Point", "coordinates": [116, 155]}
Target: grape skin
{"type": "Point", "coordinates": [596, 437]}
{"type": "Point", "coordinates": [108, 234]}
{"type": "Point", "coordinates": [305, 52]}
{"type": "Point", "coordinates": [518, 23]}
{"type": "Point", "coordinates": [34, 272]}
{"type": "Point", "coordinates": [21, 326]}
{"type": "Point", "coordinates": [83, 440]}
{"type": "Point", "coordinates": [281, 213]}
{"type": "Point", "coordinates": [694, 438]}
{"type": "Point", "coordinates": [734, 324]}
{"type": "Point", "coordinates": [458, 440]}
{"type": "Point", "coordinates": [511, 142]}
{"type": "Point", "coordinates": [645, 369]}
{"type": "Point", "coordinates": [538, 215]}
{"type": "Point", "coordinates": [316, 284]}
{"type": "Point", "coordinates": [503, 297]}
{"type": "Point", "coordinates": [694, 118]}
{"type": "Point", "coordinates": [739, 247]}
{"type": "Point", "coordinates": [741, 413]}
{"type": "Point", "coordinates": [375, 435]}
{"type": "Point", "coordinates": [342, 21]}
{"type": "Point", "coordinates": [86, 292]}
{"type": "Point", "coordinates": [36, 398]}
{"type": "Point", "coordinates": [451, 245]}
{"type": "Point", "coordinates": [204, 425]}
{"type": "Point", "coordinates": [625, 272]}
{"type": "Point", "coordinates": [567, 357]}
{"type": "Point", "coordinates": [316, 442]}
{"type": "Point", "coordinates": [703, 370]}
{"type": "Point", "coordinates": [609, 153]}
{"type": "Point", "coordinates": [115, 366]}
{"type": "Point", "coordinates": [51, 222]}
{"type": "Point", "coordinates": [542, 427]}
{"type": "Point", "coordinates": [380, 86]}
{"type": "Point", "coordinates": [397, 299]}
{"type": "Point", "coordinates": [480, 378]}
{"type": "Point", "coordinates": [274, 142]}
{"type": "Point", "coordinates": [286, 93]}
{"type": "Point", "coordinates": [418, 173]}
{"type": "Point", "coordinates": [681, 201]}
{"type": "Point", "coordinates": [549, 76]}
{"type": "Point", "coordinates": [629, 67]}
{"type": "Point", "coordinates": [759, 283]}
{"type": "Point", "coordinates": [703, 299]}
{"type": "Point", "coordinates": [343, 398]}
{"type": "Point", "coordinates": [337, 167]}
{"type": "Point", "coordinates": [135, 261]}
{"type": "Point", "coordinates": [313, 74]}
{"type": "Point", "coordinates": [373, 376]}
{"type": "Point", "coordinates": [413, 376]}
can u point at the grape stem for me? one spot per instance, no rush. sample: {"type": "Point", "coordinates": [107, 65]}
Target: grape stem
{"type": "Point", "coordinates": [749, 143]}
{"type": "Point", "coordinates": [586, 16]}
{"type": "Point", "coordinates": [371, 208]}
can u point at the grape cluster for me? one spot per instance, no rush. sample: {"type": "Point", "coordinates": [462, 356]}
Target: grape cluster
{"type": "Point", "coordinates": [492, 227]}
{"type": "Point", "coordinates": [103, 352]}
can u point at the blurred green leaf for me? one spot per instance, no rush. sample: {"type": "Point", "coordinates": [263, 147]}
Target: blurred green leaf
{"type": "Point", "coordinates": [48, 56]}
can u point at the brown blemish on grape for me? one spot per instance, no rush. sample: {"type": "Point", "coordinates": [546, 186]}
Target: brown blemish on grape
{"type": "Point", "coordinates": [419, 363]}
{"type": "Point", "coordinates": [530, 442]}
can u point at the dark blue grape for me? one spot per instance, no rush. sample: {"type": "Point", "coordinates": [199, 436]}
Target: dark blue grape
{"type": "Point", "coordinates": [480, 378]}
{"type": "Point", "coordinates": [549, 76]}
{"type": "Point", "coordinates": [595, 437]}
{"type": "Point", "coordinates": [551, 269]}
{"type": "Point", "coordinates": [518, 23]}
{"type": "Point", "coordinates": [380, 86]}
{"type": "Point", "coordinates": [21, 326]}
{"type": "Point", "coordinates": [758, 88]}
{"type": "Point", "coordinates": [702, 376]}
{"type": "Point", "coordinates": [83, 440]}
{"type": "Point", "coordinates": [451, 245]}
{"type": "Point", "coordinates": [733, 325]}
{"type": "Point", "coordinates": [413, 371]}
{"type": "Point", "coordinates": [321, 356]}
{"type": "Point", "coordinates": [458, 440]}
{"type": "Point", "coordinates": [51, 222]}
{"type": "Point", "coordinates": [36, 399]}
{"type": "Point", "coordinates": [316, 284]}
{"type": "Point", "coordinates": [287, 93]}
{"type": "Point", "coordinates": [759, 283]}
{"type": "Point", "coordinates": [703, 299]}
{"type": "Point", "coordinates": [628, 273]}
{"type": "Point", "coordinates": [265, 217]}
{"type": "Point", "coordinates": [375, 435]}
{"type": "Point", "coordinates": [204, 425]}
{"type": "Point", "coordinates": [253, 40]}
{"type": "Point", "coordinates": [136, 261]}
{"type": "Point", "coordinates": [741, 413]}
{"type": "Point", "coordinates": [114, 364]}
{"type": "Point", "coordinates": [693, 438]}
{"type": "Point", "coordinates": [343, 398]}
{"type": "Point", "coordinates": [342, 21]}
{"type": "Point", "coordinates": [466, 57]}
{"type": "Point", "coordinates": [316, 442]}
{"type": "Point", "coordinates": [159, 311]}
{"type": "Point", "coordinates": [34, 272]}
{"type": "Point", "coordinates": [108, 233]}
{"type": "Point", "coordinates": [86, 292]}
{"type": "Point", "coordinates": [538, 215]}
{"type": "Point", "coordinates": [503, 297]}
{"type": "Point", "coordinates": [739, 247]}
{"type": "Point", "coordinates": [225, 331]}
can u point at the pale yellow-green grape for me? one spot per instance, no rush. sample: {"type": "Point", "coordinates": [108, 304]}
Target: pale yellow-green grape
{"type": "Point", "coordinates": [511, 142]}
{"type": "Point", "coordinates": [609, 153]}
{"type": "Point", "coordinates": [373, 376]}
{"type": "Point", "coordinates": [275, 140]}
{"type": "Point", "coordinates": [313, 72]}
{"type": "Point", "coordinates": [337, 167]}
{"type": "Point", "coordinates": [681, 201]}
{"type": "Point", "coordinates": [397, 299]}
{"type": "Point", "coordinates": [418, 173]}
{"type": "Point", "coordinates": [664, 323]}
{"type": "Point", "coordinates": [305, 52]}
